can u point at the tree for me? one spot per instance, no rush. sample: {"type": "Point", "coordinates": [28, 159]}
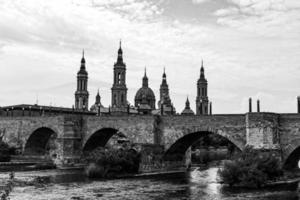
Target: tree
{"type": "Point", "coordinates": [252, 168]}
{"type": "Point", "coordinates": [103, 162]}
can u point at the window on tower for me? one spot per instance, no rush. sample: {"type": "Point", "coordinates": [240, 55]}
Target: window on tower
{"type": "Point", "coordinates": [119, 78]}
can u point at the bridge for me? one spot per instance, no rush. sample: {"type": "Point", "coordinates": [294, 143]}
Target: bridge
{"type": "Point", "coordinates": [65, 137]}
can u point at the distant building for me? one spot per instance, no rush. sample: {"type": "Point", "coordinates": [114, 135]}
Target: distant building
{"type": "Point", "coordinates": [39, 110]}
{"type": "Point", "coordinates": [144, 101]}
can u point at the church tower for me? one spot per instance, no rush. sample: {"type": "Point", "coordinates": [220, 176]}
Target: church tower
{"type": "Point", "coordinates": [202, 98]}
{"type": "Point", "coordinates": [82, 94]}
{"type": "Point", "coordinates": [164, 92]}
{"type": "Point", "coordinates": [119, 89]}
{"type": "Point", "coordinates": [165, 103]}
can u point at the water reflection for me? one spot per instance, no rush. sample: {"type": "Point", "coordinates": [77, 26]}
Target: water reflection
{"type": "Point", "coordinates": [197, 184]}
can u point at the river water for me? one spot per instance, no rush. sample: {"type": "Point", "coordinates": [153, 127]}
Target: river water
{"type": "Point", "coordinates": [197, 184]}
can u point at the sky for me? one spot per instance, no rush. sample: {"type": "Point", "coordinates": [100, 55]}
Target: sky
{"type": "Point", "coordinates": [250, 48]}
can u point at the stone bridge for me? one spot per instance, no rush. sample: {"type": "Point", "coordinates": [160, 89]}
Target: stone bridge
{"type": "Point", "coordinates": [64, 138]}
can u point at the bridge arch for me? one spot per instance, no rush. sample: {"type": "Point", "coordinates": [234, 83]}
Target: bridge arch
{"type": "Point", "coordinates": [101, 138]}
{"type": "Point", "coordinates": [41, 141]}
{"type": "Point", "coordinates": [177, 149]}
{"type": "Point", "coordinates": [291, 155]}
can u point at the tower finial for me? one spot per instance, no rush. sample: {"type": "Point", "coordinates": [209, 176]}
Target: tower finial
{"type": "Point", "coordinates": [202, 70]}
{"type": "Point", "coordinates": [82, 59]}
{"type": "Point", "coordinates": [164, 74]}
{"type": "Point", "coordinates": [120, 43]}
{"type": "Point", "coordinates": [145, 71]}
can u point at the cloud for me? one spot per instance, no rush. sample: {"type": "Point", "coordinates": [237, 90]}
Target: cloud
{"type": "Point", "coordinates": [263, 17]}
{"type": "Point", "coordinates": [199, 1]}
{"type": "Point", "coordinates": [42, 44]}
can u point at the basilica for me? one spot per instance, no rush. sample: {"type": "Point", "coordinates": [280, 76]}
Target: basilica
{"type": "Point", "coordinates": [144, 101]}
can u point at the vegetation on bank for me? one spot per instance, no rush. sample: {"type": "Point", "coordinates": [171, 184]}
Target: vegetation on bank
{"type": "Point", "coordinates": [5, 152]}
{"type": "Point", "coordinates": [106, 163]}
{"type": "Point", "coordinates": [251, 168]}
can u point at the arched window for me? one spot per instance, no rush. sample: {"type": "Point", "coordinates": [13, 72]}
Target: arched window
{"type": "Point", "coordinates": [119, 78]}
{"type": "Point", "coordinates": [83, 103]}
{"type": "Point", "coordinates": [203, 94]}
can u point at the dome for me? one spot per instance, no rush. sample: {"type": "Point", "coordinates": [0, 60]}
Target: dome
{"type": "Point", "coordinates": [145, 92]}
{"type": "Point", "coordinates": [145, 95]}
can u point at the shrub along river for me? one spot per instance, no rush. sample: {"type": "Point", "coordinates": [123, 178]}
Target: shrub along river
{"type": "Point", "coordinates": [196, 184]}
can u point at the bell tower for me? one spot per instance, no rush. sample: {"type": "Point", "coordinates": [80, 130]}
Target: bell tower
{"type": "Point", "coordinates": [202, 98]}
{"type": "Point", "coordinates": [119, 89]}
{"type": "Point", "coordinates": [82, 94]}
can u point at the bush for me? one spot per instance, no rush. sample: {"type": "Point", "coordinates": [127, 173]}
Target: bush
{"type": "Point", "coordinates": [104, 162]}
{"type": "Point", "coordinates": [4, 152]}
{"type": "Point", "coordinates": [251, 169]}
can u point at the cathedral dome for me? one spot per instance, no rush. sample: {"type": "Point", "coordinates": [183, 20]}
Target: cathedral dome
{"type": "Point", "coordinates": [145, 92]}
{"type": "Point", "coordinates": [145, 95]}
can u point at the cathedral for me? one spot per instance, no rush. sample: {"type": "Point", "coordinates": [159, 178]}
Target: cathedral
{"type": "Point", "coordinates": [144, 100]}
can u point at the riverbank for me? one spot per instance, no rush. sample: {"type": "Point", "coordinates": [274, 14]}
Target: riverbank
{"type": "Point", "coordinates": [60, 176]}
{"type": "Point", "coordinates": [70, 184]}
{"type": "Point", "coordinates": [37, 177]}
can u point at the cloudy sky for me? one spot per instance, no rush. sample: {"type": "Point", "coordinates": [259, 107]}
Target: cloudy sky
{"type": "Point", "coordinates": [250, 48]}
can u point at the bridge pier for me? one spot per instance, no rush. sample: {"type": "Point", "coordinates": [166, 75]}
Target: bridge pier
{"type": "Point", "coordinates": [262, 132]}
{"type": "Point", "coordinates": [70, 142]}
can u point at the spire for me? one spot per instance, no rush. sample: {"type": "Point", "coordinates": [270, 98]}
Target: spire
{"type": "Point", "coordinates": [164, 74]}
{"type": "Point", "coordinates": [202, 76]}
{"type": "Point", "coordinates": [120, 53]}
{"type": "Point", "coordinates": [82, 65]}
{"type": "Point", "coordinates": [120, 46]}
{"type": "Point", "coordinates": [98, 98]}
{"type": "Point", "coordinates": [82, 59]}
{"type": "Point", "coordinates": [145, 79]}
{"type": "Point", "coordinates": [187, 103]}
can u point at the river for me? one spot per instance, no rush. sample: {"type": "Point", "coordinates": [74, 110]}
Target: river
{"type": "Point", "coordinates": [196, 184]}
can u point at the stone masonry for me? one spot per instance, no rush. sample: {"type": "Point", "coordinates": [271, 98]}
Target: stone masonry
{"type": "Point", "coordinates": [268, 131]}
